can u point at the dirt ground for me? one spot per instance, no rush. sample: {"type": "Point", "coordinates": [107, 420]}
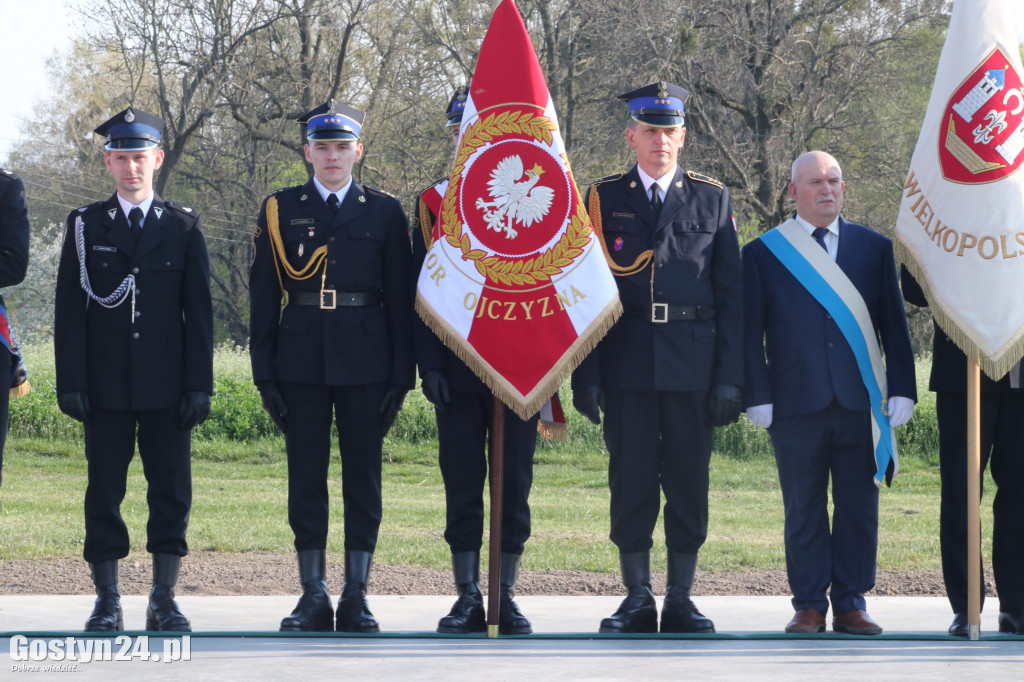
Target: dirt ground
{"type": "Point", "coordinates": [266, 573]}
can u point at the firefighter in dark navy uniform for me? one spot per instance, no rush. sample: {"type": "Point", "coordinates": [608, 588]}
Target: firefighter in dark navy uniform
{"type": "Point", "coordinates": [133, 335]}
{"type": "Point", "coordinates": [672, 367]}
{"type": "Point", "coordinates": [464, 408]}
{"type": "Point", "coordinates": [331, 338]}
{"type": "Point", "coordinates": [13, 265]}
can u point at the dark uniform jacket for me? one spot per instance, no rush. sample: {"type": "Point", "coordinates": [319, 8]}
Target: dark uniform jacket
{"type": "Point", "coordinates": [145, 363]}
{"type": "Point", "coordinates": [696, 262]}
{"type": "Point", "coordinates": [13, 240]}
{"type": "Point", "coordinates": [809, 363]}
{"type": "Point", "coordinates": [367, 252]}
{"type": "Point", "coordinates": [431, 353]}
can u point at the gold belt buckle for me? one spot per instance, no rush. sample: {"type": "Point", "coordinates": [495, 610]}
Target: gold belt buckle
{"type": "Point", "coordinates": [659, 313]}
{"type": "Point", "coordinates": [324, 305]}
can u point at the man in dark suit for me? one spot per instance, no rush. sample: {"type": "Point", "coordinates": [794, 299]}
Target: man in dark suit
{"type": "Point", "coordinates": [13, 264]}
{"type": "Point", "coordinates": [133, 335]}
{"type": "Point", "coordinates": [671, 368]}
{"type": "Point", "coordinates": [330, 338]}
{"type": "Point", "coordinates": [464, 408]}
{"type": "Point", "coordinates": [1002, 446]}
{"type": "Point", "coordinates": [810, 395]}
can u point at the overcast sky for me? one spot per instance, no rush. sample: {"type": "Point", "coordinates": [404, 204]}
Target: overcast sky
{"type": "Point", "coordinates": [30, 32]}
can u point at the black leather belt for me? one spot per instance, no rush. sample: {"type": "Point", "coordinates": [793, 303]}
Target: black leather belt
{"type": "Point", "coordinates": [666, 312]}
{"type": "Point", "coordinates": [330, 299]}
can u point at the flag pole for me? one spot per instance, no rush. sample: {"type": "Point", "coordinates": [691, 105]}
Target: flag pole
{"type": "Point", "coordinates": [497, 484]}
{"type": "Point", "coordinates": [973, 499]}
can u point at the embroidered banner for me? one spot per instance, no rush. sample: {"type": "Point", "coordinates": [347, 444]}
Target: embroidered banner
{"type": "Point", "coordinates": [514, 280]}
{"type": "Point", "coordinates": [960, 227]}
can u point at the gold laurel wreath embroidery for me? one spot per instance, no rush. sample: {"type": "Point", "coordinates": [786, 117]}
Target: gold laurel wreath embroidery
{"type": "Point", "coordinates": [526, 271]}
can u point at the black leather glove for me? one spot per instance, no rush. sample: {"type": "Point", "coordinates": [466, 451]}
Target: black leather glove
{"type": "Point", "coordinates": [273, 403]}
{"type": "Point", "coordinates": [725, 403]}
{"type": "Point", "coordinates": [194, 409]}
{"type": "Point", "coordinates": [435, 388]}
{"type": "Point", "coordinates": [389, 407]}
{"type": "Point", "coordinates": [589, 402]}
{"type": "Point", "coordinates": [74, 405]}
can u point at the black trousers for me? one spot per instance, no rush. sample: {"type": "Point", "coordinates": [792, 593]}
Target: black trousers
{"type": "Point", "coordinates": [1002, 448]}
{"type": "Point", "coordinates": [462, 432]}
{"type": "Point", "coordinates": [658, 441]}
{"type": "Point", "coordinates": [165, 449]}
{"type": "Point", "coordinates": [311, 409]}
{"type": "Point", "coordinates": [809, 450]}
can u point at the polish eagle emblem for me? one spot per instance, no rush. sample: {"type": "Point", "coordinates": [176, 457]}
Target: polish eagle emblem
{"type": "Point", "coordinates": [515, 198]}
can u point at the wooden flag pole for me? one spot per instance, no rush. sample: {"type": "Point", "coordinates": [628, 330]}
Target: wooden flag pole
{"type": "Point", "coordinates": [973, 499]}
{"type": "Point", "coordinates": [497, 484]}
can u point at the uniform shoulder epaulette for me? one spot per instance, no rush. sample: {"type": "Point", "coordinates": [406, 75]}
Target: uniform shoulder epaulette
{"type": "Point", "coordinates": [5, 172]}
{"type": "Point", "coordinates": [699, 177]}
{"type": "Point", "coordinates": [378, 190]}
{"type": "Point", "coordinates": [608, 178]}
{"type": "Point", "coordinates": [289, 188]}
{"type": "Point", "coordinates": [187, 210]}
{"type": "Point", "coordinates": [89, 207]}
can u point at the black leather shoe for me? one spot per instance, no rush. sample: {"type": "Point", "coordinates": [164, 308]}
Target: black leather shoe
{"type": "Point", "coordinates": [163, 614]}
{"type": "Point", "coordinates": [353, 611]}
{"type": "Point", "coordinates": [467, 614]}
{"type": "Point", "coordinates": [959, 625]}
{"type": "Point", "coordinates": [511, 620]}
{"type": "Point", "coordinates": [314, 612]}
{"type": "Point", "coordinates": [106, 613]}
{"type": "Point", "coordinates": [1011, 622]}
{"type": "Point", "coordinates": [680, 614]}
{"type": "Point", "coordinates": [638, 612]}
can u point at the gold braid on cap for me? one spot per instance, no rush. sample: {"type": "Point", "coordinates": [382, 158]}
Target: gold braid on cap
{"type": "Point", "coordinates": [318, 257]}
{"type": "Point", "coordinates": [641, 262]}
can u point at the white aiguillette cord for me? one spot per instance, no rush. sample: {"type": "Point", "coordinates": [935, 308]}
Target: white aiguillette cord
{"type": "Point", "coordinates": [119, 295]}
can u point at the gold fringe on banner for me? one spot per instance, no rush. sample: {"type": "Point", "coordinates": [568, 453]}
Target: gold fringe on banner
{"type": "Point", "coordinates": [995, 367]}
{"type": "Point", "coordinates": [530, 404]}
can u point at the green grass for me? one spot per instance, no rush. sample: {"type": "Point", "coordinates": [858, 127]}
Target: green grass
{"type": "Point", "coordinates": [240, 488]}
{"type": "Point", "coordinates": [240, 505]}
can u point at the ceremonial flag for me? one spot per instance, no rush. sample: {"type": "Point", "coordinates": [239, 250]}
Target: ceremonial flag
{"type": "Point", "coordinates": [514, 280]}
{"type": "Point", "coordinates": [960, 228]}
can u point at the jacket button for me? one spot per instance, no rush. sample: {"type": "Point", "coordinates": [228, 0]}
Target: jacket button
{"type": "Point", "coordinates": [135, 335]}
{"type": "Point", "coordinates": [330, 239]}
{"type": "Point", "coordinates": [333, 262]}
{"type": "Point", "coordinates": [138, 313]}
{"type": "Point", "coordinates": [135, 271]}
{"type": "Point", "coordinates": [167, 264]}
{"type": "Point", "coordinates": [830, 344]}
{"type": "Point", "coordinates": [104, 264]}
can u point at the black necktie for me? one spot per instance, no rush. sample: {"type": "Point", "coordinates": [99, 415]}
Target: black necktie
{"type": "Point", "coordinates": [135, 222]}
{"type": "Point", "coordinates": [332, 201]}
{"type": "Point", "coordinates": [655, 200]}
{"type": "Point", "coordinates": [819, 236]}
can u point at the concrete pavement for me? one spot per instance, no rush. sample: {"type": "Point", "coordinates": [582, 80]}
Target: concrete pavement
{"type": "Point", "coordinates": [235, 637]}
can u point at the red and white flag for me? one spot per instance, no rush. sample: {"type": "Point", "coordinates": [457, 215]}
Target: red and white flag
{"type": "Point", "coordinates": [960, 228]}
{"type": "Point", "coordinates": [514, 281]}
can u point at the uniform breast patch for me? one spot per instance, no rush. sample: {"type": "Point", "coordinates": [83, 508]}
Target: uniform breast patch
{"type": "Point", "coordinates": [302, 221]}
{"type": "Point", "coordinates": [105, 249]}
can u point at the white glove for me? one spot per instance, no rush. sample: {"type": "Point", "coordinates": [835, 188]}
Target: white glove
{"type": "Point", "coordinates": [761, 415]}
{"type": "Point", "coordinates": [900, 410]}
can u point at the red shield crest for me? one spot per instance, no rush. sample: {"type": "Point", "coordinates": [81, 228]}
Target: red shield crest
{"type": "Point", "coordinates": [510, 206]}
{"type": "Point", "coordinates": [981, 137]}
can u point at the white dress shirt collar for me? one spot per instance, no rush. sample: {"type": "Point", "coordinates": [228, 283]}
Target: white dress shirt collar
{"type": "Point", "coordinates": [663, 182]}
{"type": "Point", "coordinates": [127, 206]}
{"type": "Point", "coordinates": [831, 239]}
{"type": "Point", "coordinates": [324, 191]}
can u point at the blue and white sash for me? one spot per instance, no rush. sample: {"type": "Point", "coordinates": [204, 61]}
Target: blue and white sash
{"type": "Point", "coordinates": [829, 285]}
